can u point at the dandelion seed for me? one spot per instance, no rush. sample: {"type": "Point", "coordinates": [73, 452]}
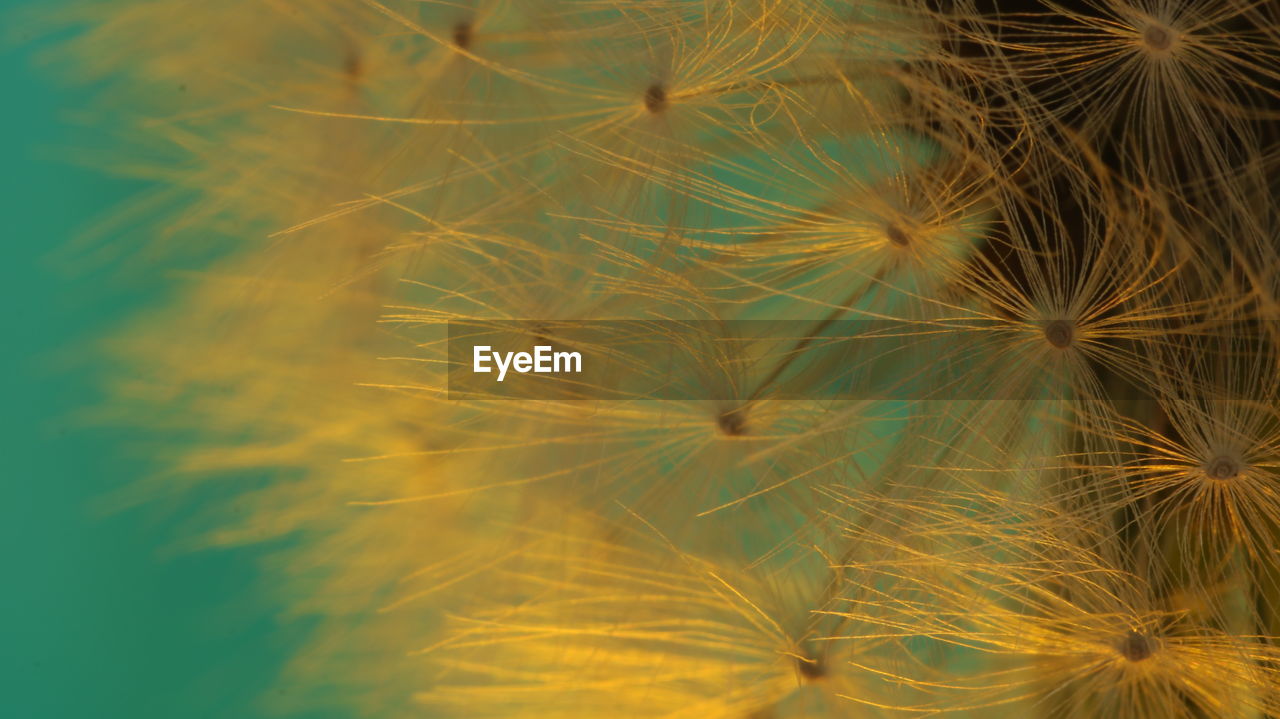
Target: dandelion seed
{"type": "Point", "coordinates": [1059, 333]}
{"type": "Point", "coordinates": [732, 422]}
{"type": "Point", "coordinates": [1222, 468]}
{"type": "Point", "coordinates": [655, 98]}
{"type": "Point", "coordinates": [353, 66]}
{"type": "Point", "coordinates": [897, 236]}
{"type": "Point", "coordinates": [462, 35]}
{"type": "Point", "coordinates": [701, 633]}
{"type": "Point", "coordinates": [1137, 647]}
{"type": "Point", "coordinates": [1158, 37]}
{"type": "Point", "coordinates": [811, 669]}
{"type": "Point", "coordinates": [1034, 607]}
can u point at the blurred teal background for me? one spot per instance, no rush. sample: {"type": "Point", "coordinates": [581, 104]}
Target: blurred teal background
{"type": "Point", "coordinates": [99, 622]}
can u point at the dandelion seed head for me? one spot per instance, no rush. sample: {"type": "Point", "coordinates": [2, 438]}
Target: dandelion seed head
{"type": "Point", "coordinates": [1221, 468]}
{"type": "Point", "coordinates": [974, 165]}
{"type": "Point", "coordinates": [463, 35]}
{"type": "Point", "coordinates": [1059, 333]}
{"type": "Point", "coordinates": [732, 422]}
{"type": "Point", "coordinates": [655, 98]}
{"type": "Point", "coordinates": [352, 65]}
{"type": "Point", "coordinates": [1136, 647]}
{"type": "Point", "coordinates": [811, 669]}
{"type": "Point", "coordinates": [1157, 38]}
{"type": "Point", "coordinates": [897, 236]}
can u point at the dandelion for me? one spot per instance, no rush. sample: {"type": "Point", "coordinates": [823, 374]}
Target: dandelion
{"type": "Point", "coordinates": [940, 372]}
{"type": "Point", "coordinates": [1144, 78]}
{"type": "Point", "coordinates": [621, 625]}
{"type": "Point", "coordinates": [1046, 617]}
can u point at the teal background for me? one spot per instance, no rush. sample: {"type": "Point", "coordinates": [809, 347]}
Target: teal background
{"type": "Point", "coordinates": [99, 620]}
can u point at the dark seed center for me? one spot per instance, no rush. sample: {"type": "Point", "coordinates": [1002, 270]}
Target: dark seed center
{"type": "Point", "coordinates": [655, 98]}
{"type": "Point", "coordinates": [732, 422]}
{"type": "Point", "coordinates": [811, 668]}
{"type": "Point", "coordinates": [352, 66]}
{"type": "Point", "coordinates": [462, 35]}
{"type": "Point", "coordinates": [1136, 647]}
{"type": "Point", "coordinates": [1059, 334]}
{"type": "Point", "coordinates": [897, 236]}
{"type": "Point", "coordinates": [1157, 37]}
{"type": "Point", "coordinates": [1222, 468]}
